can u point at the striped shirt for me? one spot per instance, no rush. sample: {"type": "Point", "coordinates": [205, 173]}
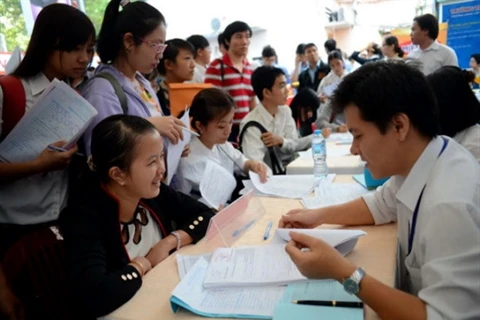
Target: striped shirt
{"type": "Point", "coordinates": [237, 84]}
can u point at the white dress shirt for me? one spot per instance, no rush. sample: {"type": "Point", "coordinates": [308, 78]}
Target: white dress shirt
{"type": "Point", "coordinates": [191, 168]}
{"type": "Point", "coordinates": [38, 198]}
{"type": "Point", "coordinates": [470, 140]}
{"type": "Point", "coordinates": [150, 234]}
{"type": "Point", "coordinates": [434, 57]}
{"type": "Point", "coordinates": [199, 73]}
{"type": "Point", "coordinates": [443, 268]}
{"type": "Point", "coordinates": [282, 125]}
{"type": "Point", "coordinates": [324, 113]}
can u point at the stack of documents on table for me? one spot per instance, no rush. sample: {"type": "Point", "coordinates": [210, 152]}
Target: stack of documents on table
{"type": "Point", "coordinates": [332, 152]}
{"type": "Point", "coordinates": [329, 194]}
{"type": "Point", "coordinates": [317, 290]}
{"type": "Point", "coordinates": [60, 113]}
{"type": "Point", "coordinates": [341, 138]}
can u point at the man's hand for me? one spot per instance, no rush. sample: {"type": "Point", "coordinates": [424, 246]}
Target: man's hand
{"type": "Point", "coordinates": [270, 140]}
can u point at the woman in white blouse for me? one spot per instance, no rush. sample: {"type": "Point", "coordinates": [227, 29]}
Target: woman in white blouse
{"type": "Point", "coordinates": [459, 108]}
{"type": "Point", "coordinates": [391, 49]}
{"type": "Point", "coordinates": [326, 117]}
{"type": "Point", "coordinates": [211, 116]}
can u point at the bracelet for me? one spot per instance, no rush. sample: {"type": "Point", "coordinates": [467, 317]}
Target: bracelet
{"type": "Point", "coordinates": [139, 265]}
{"type": "Point", "coordinates": [179, 240]}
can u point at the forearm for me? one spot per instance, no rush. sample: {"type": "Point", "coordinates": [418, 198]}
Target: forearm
{"type": "Point", "coordinates": [351, 213]}
{"type": "Point", "coordinates": [185, 238]}
{"type": "Point", "coordinates": [15, 171]}
{"type": "Point", "coordinates": [295, 73]}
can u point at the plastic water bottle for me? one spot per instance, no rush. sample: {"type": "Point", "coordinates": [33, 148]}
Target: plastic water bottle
{"type": "Point", "coordinates": [319, 152]}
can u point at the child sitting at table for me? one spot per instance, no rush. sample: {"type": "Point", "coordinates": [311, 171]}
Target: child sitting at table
{"type": "Point", "coordinates": [211, 114]}
{"type": "Point", "coordinates": [127, 221]}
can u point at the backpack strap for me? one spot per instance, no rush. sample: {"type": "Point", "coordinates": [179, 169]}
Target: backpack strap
{"type": "Point", "coordinates": [118, 89]}
{"type": "Point", "coordinates": [277, 166]}
{"type": "Point", "coordinates": [14, 103]}
{"type": "Point", "coordinates": [222, 69]}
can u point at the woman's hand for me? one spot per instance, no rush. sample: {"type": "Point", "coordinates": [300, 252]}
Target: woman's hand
{"type": "Point", "coordinates": [52, 160]}
{"type": "Point", "coordinates": [169, 127]}
{"type": "Point", "coordinates": [259, 168]}
{"type": "Point", "coordinates": [161, 250]}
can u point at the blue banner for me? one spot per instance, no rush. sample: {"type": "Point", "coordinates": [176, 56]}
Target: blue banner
{"type": "Point", "coordinates": [463, 33]}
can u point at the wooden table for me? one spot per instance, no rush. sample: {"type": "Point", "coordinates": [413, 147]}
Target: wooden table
{"type": "Point", "coordinates": [346, 164]}
{"type": "Point", "coordinates": [375, 252]}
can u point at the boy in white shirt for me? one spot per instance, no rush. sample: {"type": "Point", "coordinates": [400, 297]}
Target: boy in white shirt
{"type": "Point", "coordinates": [270, 86]}
{"type": "Point", "coordinates": [433, 194]}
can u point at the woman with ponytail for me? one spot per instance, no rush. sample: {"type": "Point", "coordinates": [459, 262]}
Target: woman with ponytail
{"type": "Point", "coordinates": [459, 108]}
{"type": "Point", "coordinates": [391, 48]}
{"type": "Point", "coordinates": [131, 43]}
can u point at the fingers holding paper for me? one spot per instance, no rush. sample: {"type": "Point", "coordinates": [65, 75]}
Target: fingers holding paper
{"type": "Point", "coordinates": [300, 219]}
{"type": "Point", "coordinates": [169, 127]}
{"type": "Point", "coordinates": [52, 160]}
{"type": "Point", "coordinates": [259, 168]}
{"type": "Point", "coordinates": [320, 260]}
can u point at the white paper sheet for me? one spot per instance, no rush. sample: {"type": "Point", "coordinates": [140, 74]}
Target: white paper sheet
{"type": "Point", "coordinates": [328, 194]}
{"type": "Point", "coordinates": [332, 151]}
{"type": "Point", "coordinates": [174, 151]}
{"type": "Point", "coordinates": [343, 240]}
{"type": "Point", "coordinates": [234, 302]}
{"type": "Point", "coordinates": [341, 138]}
{"type": "Point", "coordinates": [217, 185]}
{"type": "Point", "coordinates": [186, 262]}
{"type": "Point", "coordinates": [287, 186]}
{"type": "Point", "coordinates": [328, 90]}
{"type": "Point", "coordinates": [251, 266]}
{"type": "Point", "coordinates": [59, 113]}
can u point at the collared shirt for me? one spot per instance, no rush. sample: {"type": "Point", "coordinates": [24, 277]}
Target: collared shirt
{"type": "Point", "coordinates": [443, 266]}
{"type": "Point", "coordinates": [199, 73]}
{"type": "Point", "coordinates": [311, 72]}
{"type": "Point", "coordinates": [434, 57]}
{"type": "Point", "coordinates": [38, 198]}
{"type": "Point", "coordinates": [237, 84]}
{"type": "Point", "coordinates": [191, 168]}
{"type": "Point", "coordinates": [325, 112]}
{"type": "Point", "coordinates": [470, 140]}
{"type": "Point", "coordinates": [282, 125]}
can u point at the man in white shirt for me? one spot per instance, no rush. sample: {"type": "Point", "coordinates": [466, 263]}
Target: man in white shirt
{"type": "Point", "coordinates": [431, 54]}
{"type": "Point", "coordinates": [270, 86]}
{"type": "Point", "coordinates": [433, 194]}
{"type": "Point", "coordinates": [202, 56]}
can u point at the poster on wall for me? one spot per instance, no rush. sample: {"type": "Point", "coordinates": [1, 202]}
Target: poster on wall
{"type": "Point", "coordinates": [463, 18]}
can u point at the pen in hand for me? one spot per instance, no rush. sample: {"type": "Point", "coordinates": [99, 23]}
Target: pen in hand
{"type": "Point", "coordinates": [63, 150]}
{"type": "Point", "coordinates": [267, 231]}
{"type": "Point", "coordinates": [332, 303]}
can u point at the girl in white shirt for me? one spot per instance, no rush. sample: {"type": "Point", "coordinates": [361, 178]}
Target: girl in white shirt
{"type": "Point", "coordinates": [459, 108]}
{"type": "Point", "coordinates": [391, 49]}
{"type": "Point", "coordinates": [326, 117]}
{"type": "Point", "coordinates": [211, 115]}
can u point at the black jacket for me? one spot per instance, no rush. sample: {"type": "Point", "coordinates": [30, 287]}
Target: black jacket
{"type": "Point", "coordinates": [95, 252]}
{"type": "Point", "coordinates": [320, 72]}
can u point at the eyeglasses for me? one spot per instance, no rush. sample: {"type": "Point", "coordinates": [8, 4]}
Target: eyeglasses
{"type": "Point", "coordinates": [158, 47]}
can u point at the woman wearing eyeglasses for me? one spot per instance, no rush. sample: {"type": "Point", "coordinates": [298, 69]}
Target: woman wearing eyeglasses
{"type": "Point", "coordinates": [131, 43]}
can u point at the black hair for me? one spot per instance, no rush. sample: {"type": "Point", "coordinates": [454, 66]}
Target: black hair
{"type": "Point", "coordinates": [210, 104]}
{"type": "Point", "coordinates": [330, 45]}
{"type": "Point", "coordinates": [198, 42]}
{"type": "Point", "coordinates": [268, 52]}
{"type": "Point", "coordinates": [384, 89]}
{"type": "Point", "coordinates": [428, 22]}
{"type": "Point", "coordinates": [58, 27]}
{"type": "Point", "coordinates": [264, 78]}
{"type": "Point", "coordinates": [138, 18]}
{"type": "Point", "coordinates": [307, 98]}
{"type": "Point", "coordinates": [221, 39]}
{"type": "Point", "coordinates": [309, 45]}
{"type": "Point", "coordinates": [392, 40]}
{"type": "Point", "coordinates": [376, 49]}
{"type": "Point", "coordinates": [232, 28]}
{"type": "Point", "coordinates": [335, 54]}
{"type": "Point", "coordinates": [115, 141]}
{"type": "Point", "coordinates": [171, 52]}
{"type": "Point", "coordinates": [459, 108]}
{"type": "Point", "coordinates": [300, 49]}
{"type": "Point", "coordinates": [476, 57]}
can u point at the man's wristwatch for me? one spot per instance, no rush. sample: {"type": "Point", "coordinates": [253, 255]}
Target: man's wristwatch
{"type": "Point", "coordinates": [179, 240]}
{"type": "Point", "coordinates": [352, 284]}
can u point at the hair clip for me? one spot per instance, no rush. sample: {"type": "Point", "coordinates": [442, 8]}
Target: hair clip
{"type": "Point", "coordinates": [91, 164]}
{"type": "Point", "coordinates": [123, 3]}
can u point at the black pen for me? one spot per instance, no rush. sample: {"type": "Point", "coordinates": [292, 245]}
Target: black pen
{"type": "Point", "coordinates": [332, 303]}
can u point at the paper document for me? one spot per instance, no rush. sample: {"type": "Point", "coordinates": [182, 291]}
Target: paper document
{"type": "Point", "coordinates": [256, 303]}
{"type": "Point", "coordinates": [332, 152]}
{"type": "Point", "coordinates": [251, 266]}
{"type": "Point", "coordinates": [341, 138]}
{"type": "Point", "coordinates": [174, 151]}
{"type": "Point", "coordinates": [325, 290]}
{"type": "Point", "coordinates": [328, 90]}
{"type": "Point", "coordinates": [59, 113]}
{"type": "Point", "coordinates": [343, 240]}
{"type": "Point", "coordinates": [329, 194]}
{"type": "Point", "coordinates": [217, 185]}
{"type": "Point", "coordinates": [186, 262]}
{"type": "Point", "coordinates": [287, 186]}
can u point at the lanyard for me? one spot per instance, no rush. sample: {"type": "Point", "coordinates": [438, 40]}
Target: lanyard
{"type": "Point", "coordinates": [415, 212]}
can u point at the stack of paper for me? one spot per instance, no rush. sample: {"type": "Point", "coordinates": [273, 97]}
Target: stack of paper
{"type": "Point", "coordinates": [342, 240]}
{"type": "Point", "coordinates": [288, 186]}
{"type": "Point", "coordinates": [59, 113]}
{"type": "Point", "coordinates": [329, 194]}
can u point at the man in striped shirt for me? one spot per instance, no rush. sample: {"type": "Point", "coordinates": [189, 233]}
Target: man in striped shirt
{"type": "Point", "coordinates": [232, 73]}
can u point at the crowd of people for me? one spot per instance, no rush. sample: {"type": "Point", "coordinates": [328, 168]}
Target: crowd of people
{"type": "Point", "coordinates": [414, 118]}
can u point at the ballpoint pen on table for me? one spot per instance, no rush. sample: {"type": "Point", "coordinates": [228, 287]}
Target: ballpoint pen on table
{"type": "Point", "coordinates": [331, 303]}
{"type": "Point", "coordinates": [267, 231]}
